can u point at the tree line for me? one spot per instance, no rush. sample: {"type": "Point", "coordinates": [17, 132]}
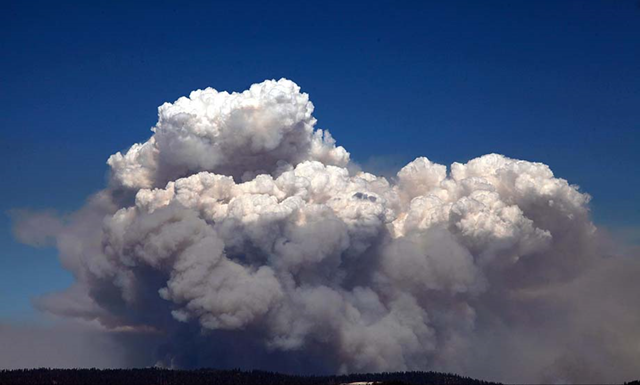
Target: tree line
{"type": "Point", "coordinates": [159, 376]}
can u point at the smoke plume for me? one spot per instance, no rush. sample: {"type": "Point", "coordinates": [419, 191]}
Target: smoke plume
{"type": "Point", "coordinates": [244, 236]}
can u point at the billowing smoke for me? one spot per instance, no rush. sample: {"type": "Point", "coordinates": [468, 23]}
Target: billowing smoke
{"type": "Point", "coordinates": [243, 236]}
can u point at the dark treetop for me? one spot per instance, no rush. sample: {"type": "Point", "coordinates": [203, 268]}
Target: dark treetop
{"type": "Point", "coordinates": [209, 376]}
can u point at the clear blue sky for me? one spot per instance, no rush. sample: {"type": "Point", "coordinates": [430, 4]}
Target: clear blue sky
{"type": "Point", "coordinates": [550, 81]}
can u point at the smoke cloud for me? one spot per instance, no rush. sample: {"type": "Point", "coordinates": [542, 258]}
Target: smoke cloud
{"type": "Point", "coordinates": [245, 237]}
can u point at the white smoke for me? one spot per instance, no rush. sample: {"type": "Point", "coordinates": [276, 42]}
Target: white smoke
{"type": "Point", "coordinates": [239, 217]}
{"type": "Point", "coordinates": [258, 131]}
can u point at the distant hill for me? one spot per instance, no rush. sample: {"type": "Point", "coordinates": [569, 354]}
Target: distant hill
{"type": "Point", "coordinates": [155, 376]}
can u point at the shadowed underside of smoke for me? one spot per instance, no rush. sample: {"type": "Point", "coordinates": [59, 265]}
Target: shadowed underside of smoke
{"type": "Point", "coordinates": [242, 236]}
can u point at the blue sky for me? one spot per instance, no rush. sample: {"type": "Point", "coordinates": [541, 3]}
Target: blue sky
{"type": "Point", "coordinates": [550, 81]}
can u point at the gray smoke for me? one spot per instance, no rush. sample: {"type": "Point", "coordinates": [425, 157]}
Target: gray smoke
{"type": "Point", "coordinates": [245, 237]}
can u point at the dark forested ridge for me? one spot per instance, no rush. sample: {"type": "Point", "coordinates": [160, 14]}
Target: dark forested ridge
{"type": "Point", "coordinates": [154, 376]}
